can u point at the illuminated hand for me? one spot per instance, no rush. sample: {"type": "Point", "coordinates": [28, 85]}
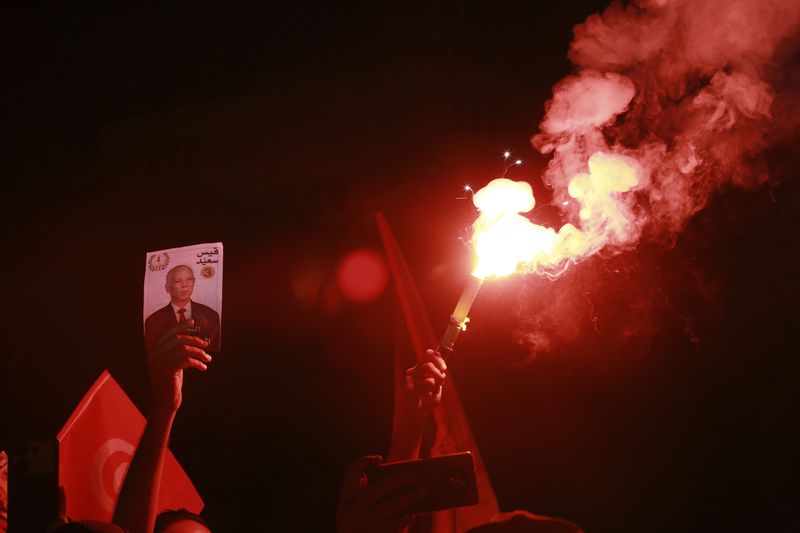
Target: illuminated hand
{"type": "Point", "coordinates": [379, 507]}
{"type": "Point", "coordinates": [426, 379]}
{"type": "Point", "coordinates": [174, 352]}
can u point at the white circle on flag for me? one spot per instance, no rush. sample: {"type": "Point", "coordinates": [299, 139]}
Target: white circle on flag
{"type": "Point", "coordinates": [99, 461]}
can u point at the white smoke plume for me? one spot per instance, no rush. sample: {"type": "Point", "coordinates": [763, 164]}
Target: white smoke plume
{"type": "Point", "coordinates": [688, 88]}
{"type": "Point", "coordinates": [695, 91]}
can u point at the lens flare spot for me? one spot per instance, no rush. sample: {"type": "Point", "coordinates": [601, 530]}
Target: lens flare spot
{"type": "Point", "coordinates": [362, 275]}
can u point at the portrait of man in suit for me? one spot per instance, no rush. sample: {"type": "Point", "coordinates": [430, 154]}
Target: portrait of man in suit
{"type": "Point", "coordinates": [180, 285]}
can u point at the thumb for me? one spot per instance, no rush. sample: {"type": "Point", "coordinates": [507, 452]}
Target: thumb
{"type": "Point", "coordinates": [352, 479]}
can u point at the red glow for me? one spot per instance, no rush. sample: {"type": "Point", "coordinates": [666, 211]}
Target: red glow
{"type": "Point", "coordinates": [362, 275]}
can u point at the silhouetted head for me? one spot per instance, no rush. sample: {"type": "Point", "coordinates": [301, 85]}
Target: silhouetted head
{"type": "Point", "coordinates": [88, 526]}
{"type": "Point", "coordinates": [525, 522]}
{"type": "Point", "coordinates": [180, 521]}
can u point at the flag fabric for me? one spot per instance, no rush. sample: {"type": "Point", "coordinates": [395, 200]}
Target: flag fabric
{"type": "Point", "coordinates": [452, 433]}
{"type": "Point", "coordinates": [95, 448]}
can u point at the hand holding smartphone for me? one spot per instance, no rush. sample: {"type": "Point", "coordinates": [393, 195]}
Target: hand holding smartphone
{"type": "Point", "coordinates": [448, 481]}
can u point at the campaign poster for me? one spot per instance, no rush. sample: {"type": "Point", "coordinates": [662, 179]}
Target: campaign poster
{"type": "Point", "coordinates": [182, 284]}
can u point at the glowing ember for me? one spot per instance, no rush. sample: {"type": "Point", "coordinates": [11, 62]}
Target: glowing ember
{"type": "Point", "coordinates": [506, 242]}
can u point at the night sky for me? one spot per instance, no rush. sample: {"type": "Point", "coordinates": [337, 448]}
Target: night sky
{"type": "Point", "coordinates": [668, 403]}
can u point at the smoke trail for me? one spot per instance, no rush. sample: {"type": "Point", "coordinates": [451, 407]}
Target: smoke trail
{"type": "Point", "coordinates": [694, 91]}
{"type": "Point", "coordinates": [685, 87]}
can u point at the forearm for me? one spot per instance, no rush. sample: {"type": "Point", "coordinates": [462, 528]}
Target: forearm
{"type": "Point", "coordinates": [405, 447]}
{"type": "Point", "coordinates": [137, 505]}
{"type": "Point", "coordinates": [408, 431]}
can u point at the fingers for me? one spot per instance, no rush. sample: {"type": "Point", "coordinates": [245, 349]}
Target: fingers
{"type": "Point", "coordinates": [352, 479]}
{"type": "Point", "coordinates": [422, 371]}
{"type": "Point", "coordinates": [424, 387]}
{"type": "Point", "coordinates": [392, 499]}
{"type": "Point", "coordinates": [384, 503]}
{"type": "Point", "coordinates": [436, 359]}
{"type": "Point", "coordinates": [177, 350]}
{"type": "Point", "coordinates": [178, 341]}
{"type": "Point", "coordinates": [176, 360]}
{"type": "Point", "coordinates": [400, 506]}
{"type": "Point", "coordinates": [191, 362]}
{"type": "Point", "coordinates": [428, 386]}
{"type": "Point", "coordinates": [431, 364]}
{"type": "Point", "coordinates": [180, 346]}
{"type": "Point", "coordinates": [197, 353]}
{"type": "Point", "coordinates": [185, 357]}
{"type": "Point", "coordinates": [379, 489]}
{"type": "Point", "coordinates": [173, 331]}
{"type": "Point", "coordinates": [426, 378]}
{"type": "Point", "coordinates": [191, 339]}
{"type": "Point", "coordinates": [430, 371]}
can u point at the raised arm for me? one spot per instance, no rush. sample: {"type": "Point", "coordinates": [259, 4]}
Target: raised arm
{"type": "Point", "coordinates": [137, 505]}
{"type": "Point", "coordinates": [422, 394]}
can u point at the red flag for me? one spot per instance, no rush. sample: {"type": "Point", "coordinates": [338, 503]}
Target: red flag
{"type": "Point", "coordinates": [95, 448]}
{"type": "Point", "coordinates": [453, 433]}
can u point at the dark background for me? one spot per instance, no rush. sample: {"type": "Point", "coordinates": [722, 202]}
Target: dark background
{"type": "Point", "coordinates": [668, 399]}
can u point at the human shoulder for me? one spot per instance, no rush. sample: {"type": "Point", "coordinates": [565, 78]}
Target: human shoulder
{"type": "Point", "coordinates": [166, 310]}
{"type": "Point", "coordinates": [197, 306]}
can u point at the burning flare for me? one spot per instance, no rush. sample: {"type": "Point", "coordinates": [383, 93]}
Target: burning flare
{"type": "Point", "coordinates": [506, 242]}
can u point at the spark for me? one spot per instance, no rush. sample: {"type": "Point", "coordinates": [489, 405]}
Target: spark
{"type": "Point", "coordinates": [505, 241]}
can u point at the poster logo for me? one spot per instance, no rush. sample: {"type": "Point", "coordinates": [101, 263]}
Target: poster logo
{"type": "Point", "coordinates": [158, 262]}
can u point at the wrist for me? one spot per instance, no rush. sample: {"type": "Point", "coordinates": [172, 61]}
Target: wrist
{"type": "Point", "coordinates": [163, 410]}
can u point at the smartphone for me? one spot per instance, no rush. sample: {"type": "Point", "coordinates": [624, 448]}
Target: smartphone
{"type": "Point", "coordinates": [449, 480]}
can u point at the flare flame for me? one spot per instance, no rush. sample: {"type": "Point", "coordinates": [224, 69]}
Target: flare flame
{"type": "Point", "coordinates": [506, 242]}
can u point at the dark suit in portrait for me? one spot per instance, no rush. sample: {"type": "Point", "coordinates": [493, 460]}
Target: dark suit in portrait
{"type": "Point", "coordinates": [160, 321]}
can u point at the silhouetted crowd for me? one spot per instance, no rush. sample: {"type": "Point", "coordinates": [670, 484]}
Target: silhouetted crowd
{"type": "Point", "coordinates": [389, 504]}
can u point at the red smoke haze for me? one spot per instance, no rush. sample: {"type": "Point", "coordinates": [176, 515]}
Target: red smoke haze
{"type": "Point", "coordinates": [694, 91]}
